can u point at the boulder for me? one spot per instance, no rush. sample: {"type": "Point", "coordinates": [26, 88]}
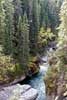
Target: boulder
{"type": "Point", "coordinates": [18, 92]}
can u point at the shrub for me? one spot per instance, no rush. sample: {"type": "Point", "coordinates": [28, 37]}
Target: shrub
{"type": "Point", "coordinates": [51, 80]}
{"type": "Point", "coordinates": [33, 65]}
{"type": "Point", "coordinates": [9, 70]}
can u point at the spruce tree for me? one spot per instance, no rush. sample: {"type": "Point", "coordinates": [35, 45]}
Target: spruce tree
{"type": "Point", "coordinates": [63, 26]}
{"type": "Point", "coordinates": [20, 38]}
{"type": "Point", "coordinates": [15, 35]}
{"type": "Point", "coordinates": [44, 14]}
{"type": "Point", "coordinates": [24, 43]}
{"type": "Point", "coordinates": [2, 22]}
{"type": "Point", "coordinates": [9, 28]}
{"type": "Point", "coordinates": [34, 27]}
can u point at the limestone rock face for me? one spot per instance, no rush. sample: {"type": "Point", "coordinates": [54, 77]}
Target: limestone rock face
{"type": "Point", "coordinates": [18, 92]}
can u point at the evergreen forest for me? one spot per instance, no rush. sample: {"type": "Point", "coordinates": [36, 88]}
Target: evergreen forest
{"type": "Point", "coordinates": [33, 49]}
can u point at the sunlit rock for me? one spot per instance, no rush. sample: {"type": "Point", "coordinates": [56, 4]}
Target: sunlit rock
{"type": "Point", "coordinates": [18, 92]}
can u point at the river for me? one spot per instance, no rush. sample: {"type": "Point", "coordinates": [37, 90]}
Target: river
{"type": "Point", "coordinates": [37, 81]}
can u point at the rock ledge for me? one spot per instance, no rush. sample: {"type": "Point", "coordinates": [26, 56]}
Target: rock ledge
{"type": "Point", "coordinates": [18, 92]}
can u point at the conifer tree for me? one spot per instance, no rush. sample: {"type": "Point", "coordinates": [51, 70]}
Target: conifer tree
{"type": "Point", "coordinates": [34, 27]}
{"type": "Point", "coordinates": [24, 42]}
{"type": "Point", "coordinates": [2, 22]}
{"type": "Point", "coordinates": [63, 26]}
{"type": "Point", "coordinates": [9, 28]}
{"type": "Point", "coordinates": [20, 40]}
{"type": "Point", "coordinates": [15, 35]}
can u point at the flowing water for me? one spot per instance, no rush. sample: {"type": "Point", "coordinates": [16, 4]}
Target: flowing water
{"type": "Point", "coordinates": [37, 81]}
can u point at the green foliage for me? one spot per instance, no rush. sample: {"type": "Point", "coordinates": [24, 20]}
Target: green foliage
{"type": "Point", "coordinates": [9, 70]}
{"type": "Point", "coordinates": [9, 28]}
{"type": "Point", "coordinates": [58, 69]}
{"type": "Point", "coordinates": [34, 27]}
{"type": "Point", "coordinates": [5, 65]}
{"type": "Point", "coordinates": [45, 36]}
{"type": "Point", "coordinates": [49, 14]}
{"type": "Point", "coordinates": [33, 65]}
{"type": "Point", "coordinates": [62, 35]}
{"type": "Point", "coordinates": [2, 21]}
{"type": "Point", "coordinates": [51, 80]}
{"type": "Point", "coordinates": [60, 62]}
{"type": "Point", "coordinates": [20, 22]}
